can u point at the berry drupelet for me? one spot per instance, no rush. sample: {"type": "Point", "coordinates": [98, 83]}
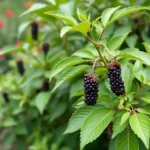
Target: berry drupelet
{"type": "Point", "coordinates": [20, 67]}
{"type": "Point", "coordinates": [116, 82]}
{"type": "Point", "coordinates": [34, 30]}
{"type": "Point", "coordinates": [45, 48]}
{"type": "Point", "coordinates": [91, 90]}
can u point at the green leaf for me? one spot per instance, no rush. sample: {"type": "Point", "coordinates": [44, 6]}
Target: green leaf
{"type": "Point", "coordinates": [64, 17]}
{"type": "Point", "coordinates": [65, 63]}
{"type": "Point", "coordinates": [84, 54]}
{"type": "Point", "coordinates": [143, 75]}
{"type": "Point", "coordinates": [140, 124]}
{"type": "Point", "coordinates": [69, 74]}
{"type": "Point", "coordinates": [135, 54]}
{"type": "Point", "coordinates": [64, 30]}
{"type": "Point", "coordinates": [95, 124]}
{"type": "Point", "coordinates": [137, 66]}
{"type": "Point", "coordinates": [147, 47]}
{"type": "Point", "coordinates": [76, 88]}
{"type": "Point", "coordinates": [42, 100]}
{"type": "Point", "coordinates": [52, 2]}
{"type": "Point", "coordinates": [54, 57]}
{"type": "Point", "coordinates": [143, 111]}
{"type": "Point", "coordinates": [127, 77]}
{"type": "Point", "coordinates": [132, 40]}
{"type": "Point", "coordinates": [112, 143]}
{"type": "Point", "coordinates": [121, 30]}
{"type": "Point", "coordinates": [78, 118]}
{"type": "Point", "coordinates": [107, 13]}
{"type": "Point", "coordinates": [55, 114]}
{"type": "Point", "coordinates": [10, 49]}
{"type": "Point", "coordinates": [82, 15]}
{"type": "Point", "coordinates": [127, 141]}
{"type": "Point", "coordinates": [82, 27]}
{"type": "Point", "coordinates": [116, 42]}
{"type": "Point", "coordinates": [146, 97]}
{"type": "Point", "coordinates": [34, 7]}
{"type": "Point", "coordinates": [21, 129]}
{"type": "Point", "coordinates": [22, 27]}
{"type": "Point", "coordinates": [9, 121]}
{"type": "Point", "coordinates": [125, 11]}
{"type": "Point", "coordinates": [117, 127]}
{"type": "Point", "coordinates": [125, 117]}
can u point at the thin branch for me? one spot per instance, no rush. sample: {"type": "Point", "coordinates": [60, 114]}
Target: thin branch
{"type": "Point", "coordinates": [97, 48]}
{"type": "Point", "coordinates": [101, 56]}
{"type": "Point", "coordinates": [107, 50]}
{"type": "Point", "coordinates": [94, 64]}
{"type": "Point", "coordinates": [101, 34]}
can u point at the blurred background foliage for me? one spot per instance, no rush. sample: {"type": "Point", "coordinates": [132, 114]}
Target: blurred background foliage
{"type": "Point", "coordinates": [33, 118]}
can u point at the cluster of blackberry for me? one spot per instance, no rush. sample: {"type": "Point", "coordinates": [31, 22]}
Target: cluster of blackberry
{"type": "Point", "coordinates": [34, 30]}
{"type": "Point", "coordinates": [45, 48]}
{"type": "Point", "coordinates": [116, 82]}
{"type": "Point", "coordinates": [91, 90]}
{"type": "Point", "coordinates": [20, 67]}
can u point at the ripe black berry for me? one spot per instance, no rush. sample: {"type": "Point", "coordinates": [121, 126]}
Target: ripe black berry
{"type": "Point", "coordinates": [90, 90]}
{"type": "Point", "coordinates": [46, 85]}
{"type": "Point", "coordinates": [148, 33]}
{"type": "Point", "coordinates": [34, 31]}
{"type": "Point", "coordinates": [20, 67]}
{"type": "Point", "coordinates": [5, 97]}
{"type": "Point", "coordinates": [116, 82]}
{"type": "Point", "coordinates": [45, 48]}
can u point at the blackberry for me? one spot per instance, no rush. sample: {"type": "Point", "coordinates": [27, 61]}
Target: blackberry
{"type": "Point", "coordinates": [34, 31]}
{"type": "Point", "coordinates": [20, 67]}
{"type": "Point", "coordinates": [45, 48]}
{"type": "Point", "coordinates": [116, 82]}
{"type": "Point", "coordinates": [5, 97]}
{"type": "Point", "coordinates": [46, 85]}
{"type": "Point", "coordinates": [148, 33]}
{"type": "Point", "coordinates": [90, 90]}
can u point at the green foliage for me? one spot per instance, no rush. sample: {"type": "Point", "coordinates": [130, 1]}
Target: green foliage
{"type": "Point", "coordinates": [94, 125]}
{"type": "Point", "coordinates": [140, 125]}
{"type": "Point", "coordinates": [127, 140]}
{"type": "Point", "coordinates": [41, 100]}
{"type": "Point", "coordinates": [83, 41]}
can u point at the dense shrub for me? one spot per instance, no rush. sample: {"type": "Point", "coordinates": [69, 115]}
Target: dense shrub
{"type": "Point", "coordinates": [75, 54]}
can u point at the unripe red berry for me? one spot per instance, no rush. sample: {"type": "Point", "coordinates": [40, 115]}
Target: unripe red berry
{"type": "Point", "coordinates": [9, 13]}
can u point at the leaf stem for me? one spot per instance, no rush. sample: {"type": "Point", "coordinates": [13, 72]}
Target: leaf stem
{"type": "Point", "coordinates": [104, 61]}
{"type": "Point", "coordinates": [108, 51]}
{"type": "Point", "coordinates": [97, 46]}
{"type": "Point", "coordinates": [101, 34]}
{"type": "Point", "coordinates": [94, 64]}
